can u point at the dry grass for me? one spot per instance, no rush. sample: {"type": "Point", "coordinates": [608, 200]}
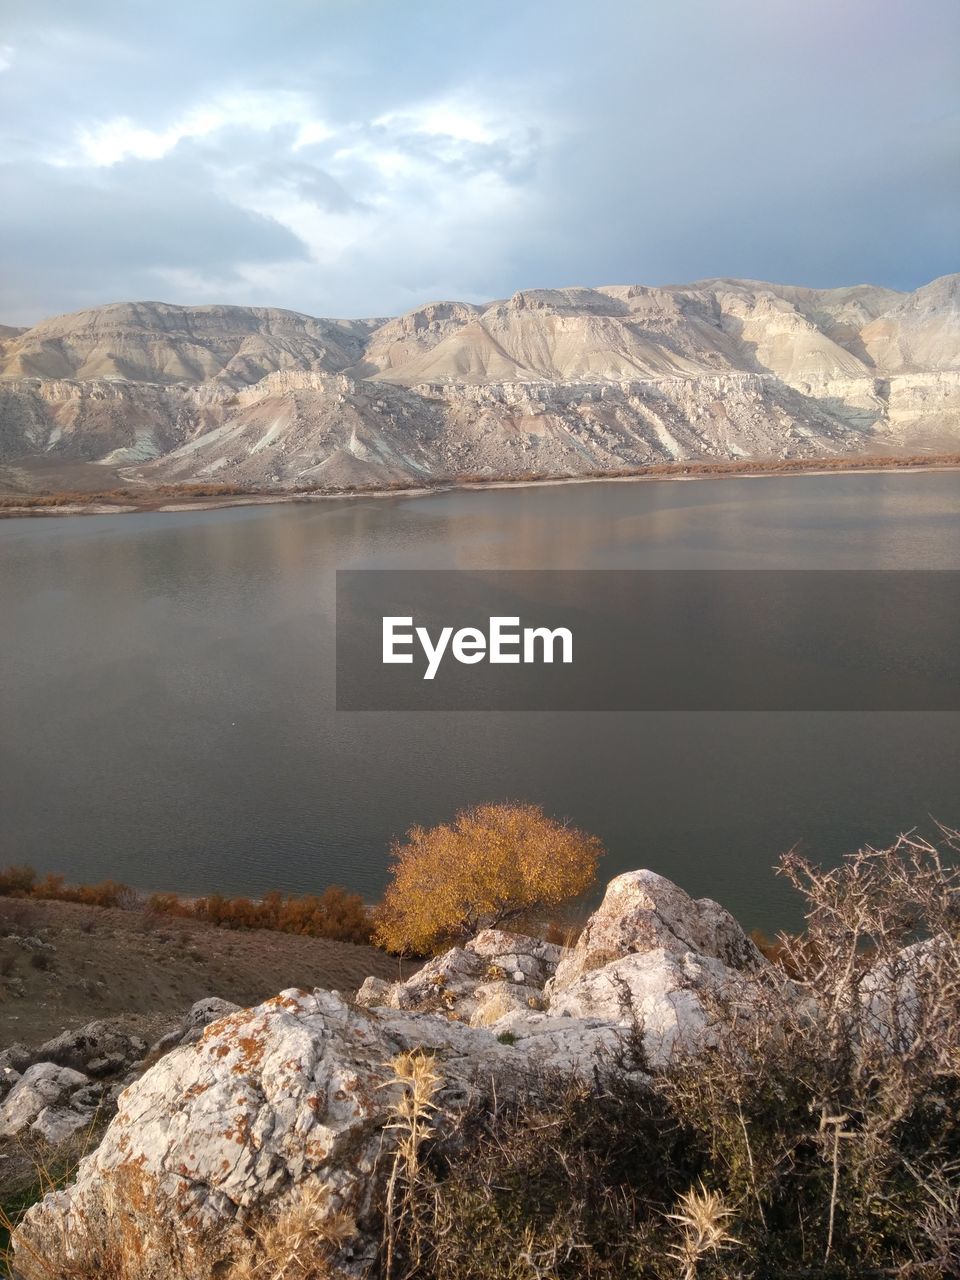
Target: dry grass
{"type": "Point", "coordinates": [411, 1113]}
{"type": "Point", "coordinates": [703, 1217]}
{"type": "Point", "coordinates": [127, 1237]}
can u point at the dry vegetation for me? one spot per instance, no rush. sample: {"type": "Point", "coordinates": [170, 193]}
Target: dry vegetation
{"type": "Point", "coordinates": [815, 1134]}
{"type": "Point", "coordinates": [126, 496]}
{"type": "Point", "coordinates": [492, 864]}
{"type": "Point", "coordinates": [336, 913]}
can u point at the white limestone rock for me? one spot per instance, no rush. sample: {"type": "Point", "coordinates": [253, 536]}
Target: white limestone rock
{"type": "Point", "coordinates": [643, 911]}
{"type": "Point", "coordinates": [653, 957]}
{"type": "Point", "coordinates": [456, 982]}
{"type": "Point", "coordinates": [296, 1090]}
{"type": "Point", "coordinates": [45, 1084]}
{"type": "Point", "coordinates": [57, 1124]}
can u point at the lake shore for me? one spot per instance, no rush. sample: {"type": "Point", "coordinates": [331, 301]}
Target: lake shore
{"type": "Point", "coordinates": [199, 497]}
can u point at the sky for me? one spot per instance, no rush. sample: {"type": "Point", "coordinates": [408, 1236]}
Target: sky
{"type": "Point", "coordinates": [361, 157]}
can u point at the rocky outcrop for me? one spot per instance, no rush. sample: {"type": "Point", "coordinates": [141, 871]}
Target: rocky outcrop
{"type": "Point", "coordinates": [298, 1092]}
{"type": "Point", "coordinates": [100, 1048]}
{"type": "Point", "coordinates": [62, 1086]}
{"type": "Point", "coordinates": [548, 382]}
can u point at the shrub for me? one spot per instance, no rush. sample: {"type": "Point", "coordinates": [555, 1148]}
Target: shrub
{"type": "Point", "coordinates": [109, 893]}
{"type": "Point", "coordinates": [336, 913]}
{"type": "Point", "coordinates": [17, 880]}
{"type": "Point", "coordinates": [491, 864]}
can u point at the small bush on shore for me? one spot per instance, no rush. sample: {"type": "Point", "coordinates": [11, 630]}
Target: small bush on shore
{"type": "Point", "coordinates": [492, 864]}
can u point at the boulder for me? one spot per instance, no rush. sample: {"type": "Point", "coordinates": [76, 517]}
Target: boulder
{"type": "Point", "coordinates": [895, 991]}
{"type": "Point", "coordinates": [45, 1084]}
{"type": "Point", "coordinates": [653, 957]}
{"type": "Point", "coordinates": [294, 1093]}
{"type": "Point", "coordinates": [100, 1042]}
{"type": "Point", "coordinates": [644, 912]}
{"type": "Point", "coordinates": [248, 1113]}
{"type": "Point", "coordinates": [16, 1058]}
{"type": "Point", "coordinates": [191, 1027]}
{"type": "Point", "coordinates": [57, 1124]}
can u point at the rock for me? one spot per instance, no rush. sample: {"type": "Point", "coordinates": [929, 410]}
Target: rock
{"type": "Point", "coordinates": [641, 912]}
{"type": "Point", "coordinates": [890, 989]}
{"type": "Point", "coordinates": [45, 1084]}
{"type": "Point", "coordinates": [108, 1066]}
{"type": "Point", "coordinates": [495, 1000]}
{"type": "Point", "coordinates": [191, 1028]}
{"type": "Point", "coordinates": [94, 1042]}
{"type": "Point", "coordinates": [295, 1091]}
{"type": "Point", "coordinates": [8, 1078]}
{"type": "Point", "coordinates": [33, 943]}
{"type": "Point", "coordinates": [654, 956]}
{"type": "Point", "coordinates": [456, 982]}
{"type": "Point", "coordinates": [17, 1057]}
{"type": "Point", "coordinates": [57, 1124]}
{"type": "Point", "coordinates": [89, 1096]}
{"type": "Point", "coordinates": [374, 991]}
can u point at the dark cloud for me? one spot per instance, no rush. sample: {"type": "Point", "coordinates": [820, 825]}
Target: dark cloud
{"type": "Point", "coordinates": [70, 239]}
{"type": "Point", "coordinates": [370, 154]}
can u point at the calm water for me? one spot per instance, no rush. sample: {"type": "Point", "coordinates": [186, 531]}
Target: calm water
{"type": "Point", "coordinates": [166, 692]}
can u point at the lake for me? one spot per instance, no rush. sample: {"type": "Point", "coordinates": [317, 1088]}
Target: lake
{"type": "Point", "coordinates": [166, 692]}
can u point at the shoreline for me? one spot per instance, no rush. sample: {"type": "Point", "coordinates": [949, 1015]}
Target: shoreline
{"type": "Point", "coordinates": [50, 504]}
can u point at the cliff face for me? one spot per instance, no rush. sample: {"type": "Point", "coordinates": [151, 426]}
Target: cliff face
{"type": "Point", "coordinates": [549, 382]}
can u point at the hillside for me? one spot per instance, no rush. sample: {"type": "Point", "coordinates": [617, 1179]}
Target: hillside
{"type": "Point", "coordinates": [547, 382]}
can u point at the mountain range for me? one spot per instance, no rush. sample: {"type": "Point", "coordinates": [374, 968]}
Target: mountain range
{"type": "Point", "coordinates": [548, 382]}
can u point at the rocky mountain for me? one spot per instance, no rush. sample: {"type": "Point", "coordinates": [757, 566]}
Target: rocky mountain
{"type": "Point", "coordinates": [547, 382]}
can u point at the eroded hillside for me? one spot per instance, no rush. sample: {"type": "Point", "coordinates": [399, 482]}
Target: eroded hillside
{"type": "Point", "coordinates": [547, 382]}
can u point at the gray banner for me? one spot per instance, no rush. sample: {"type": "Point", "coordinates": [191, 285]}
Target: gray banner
{"type": "Point", "coordinates": [648, 640]}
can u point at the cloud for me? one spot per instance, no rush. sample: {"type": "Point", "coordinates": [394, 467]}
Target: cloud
{"type": "Point", "coordinates": [358, 157]}
{"type": "Point", "coordinates": [69, 239]}
{"type": "Point", "coordinates": [119, 138]}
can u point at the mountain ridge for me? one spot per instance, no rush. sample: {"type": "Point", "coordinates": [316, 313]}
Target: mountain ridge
{"type": "Point", "coordinates": [546, 382]}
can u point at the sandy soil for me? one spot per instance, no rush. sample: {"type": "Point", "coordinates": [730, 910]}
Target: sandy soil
{"type": "Point", "coordinates": [146, 970]}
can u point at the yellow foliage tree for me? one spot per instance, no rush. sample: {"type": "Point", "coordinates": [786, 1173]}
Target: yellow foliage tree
{"type": "Point", "coordinates": [491, 864]}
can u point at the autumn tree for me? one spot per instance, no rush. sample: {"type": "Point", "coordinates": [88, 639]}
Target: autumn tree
{"type": "Point", "coordinates": [490, 865]}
